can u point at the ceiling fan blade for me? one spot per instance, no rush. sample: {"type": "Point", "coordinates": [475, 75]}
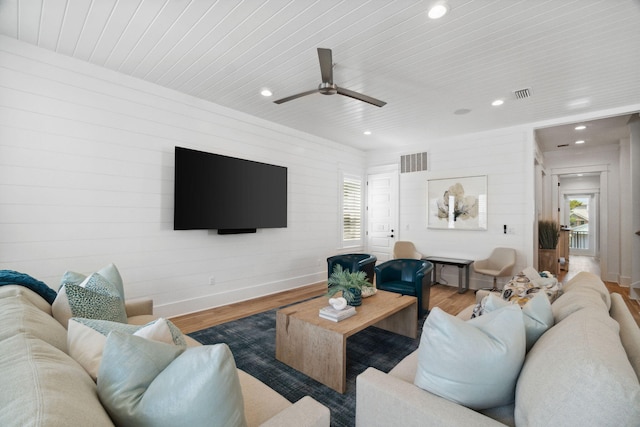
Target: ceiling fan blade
{"type": "Point", "coordinates": [326, 65]}
{"type": "Point", "coordinates": [298, 95]}
{"type": "Point", "coordinates": [361, 97]}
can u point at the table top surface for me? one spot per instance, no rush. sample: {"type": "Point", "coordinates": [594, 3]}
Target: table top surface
{"type": "Point", "coordinates": [373, 309]}
{"type": "Point", "coordinates": [445, 260]}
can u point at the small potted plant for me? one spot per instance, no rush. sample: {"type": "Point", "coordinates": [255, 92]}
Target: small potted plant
{"type": "Point", "coordinates": [350, 283]}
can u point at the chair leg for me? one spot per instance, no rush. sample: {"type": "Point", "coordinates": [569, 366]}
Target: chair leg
{"type": "Point", "coordinates": [493, 289]}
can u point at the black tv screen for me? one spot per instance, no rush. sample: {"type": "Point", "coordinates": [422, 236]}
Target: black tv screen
{"type": "Point", "coordinates": [228, 194]}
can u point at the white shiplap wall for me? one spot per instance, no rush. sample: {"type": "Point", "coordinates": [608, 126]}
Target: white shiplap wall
{"type": "Point", "coordinates": [86, 178]}
{"type": "Point", "coordinates": [506, 157]}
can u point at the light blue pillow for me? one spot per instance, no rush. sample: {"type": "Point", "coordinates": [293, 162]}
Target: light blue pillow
{"type": "Point", "coordinates": [146, 383]}
{"type": "Point", "coordinates": [538, 316]}
{"type": "Point", "coordinates": [474, 363]}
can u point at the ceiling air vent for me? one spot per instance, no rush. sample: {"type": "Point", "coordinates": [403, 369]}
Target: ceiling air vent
{"type": "Point", "coordinates": [563, 145]}
{"type": "Point", "coordinates": [413, 162]}
{"type": "Point", "coordinates": [522, 93]}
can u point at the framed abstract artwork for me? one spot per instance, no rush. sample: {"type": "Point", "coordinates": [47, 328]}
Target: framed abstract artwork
{"type": "Point", "coordinates": [457, 203]}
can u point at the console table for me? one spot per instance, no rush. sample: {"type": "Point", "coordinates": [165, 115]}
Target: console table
{"type": "Point", "coordinates": [462, 264]}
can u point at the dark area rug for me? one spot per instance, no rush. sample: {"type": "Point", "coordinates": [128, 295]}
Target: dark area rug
{"type": "Point", "coordinates": [253, 343]}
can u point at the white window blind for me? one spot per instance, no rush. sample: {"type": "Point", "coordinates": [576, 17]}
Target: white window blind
{"type": "Point", "coordinates": [351, 209]}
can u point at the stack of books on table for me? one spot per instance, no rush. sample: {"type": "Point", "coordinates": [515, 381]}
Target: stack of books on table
{"type": "Point", "coordinates": [334, 315]}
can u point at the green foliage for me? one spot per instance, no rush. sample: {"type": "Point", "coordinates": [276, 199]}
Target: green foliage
{"type": "Point", "coordinates": [574, 204]}
{"type": "Point", "coordinates": [345, 280]}
{"type": "Point", "coordinates": [548, 234]}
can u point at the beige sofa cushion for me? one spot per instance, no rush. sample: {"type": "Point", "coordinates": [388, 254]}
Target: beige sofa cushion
{"type": "Point", "coordinates": [585, 290]}
{"type": "Point", "coordinates": [578, 374]}
{"type": "Point", "coordinates": [29, 295]}
{"type": "Point", "coordinates": [261, 403]}
{"type": "Point", "coordinates": [18, 314]}
{"type": "Point", "coordinates": [629, 331]}
{"type": "Point", "coordinates": [44, 386]}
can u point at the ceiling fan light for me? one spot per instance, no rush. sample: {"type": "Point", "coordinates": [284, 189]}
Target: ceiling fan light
{"type": "Point", "coordinates": [438, 10]}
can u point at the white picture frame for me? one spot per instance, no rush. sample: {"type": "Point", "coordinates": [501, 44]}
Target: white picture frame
{"type": "Point", "coordinates": [457, 203]}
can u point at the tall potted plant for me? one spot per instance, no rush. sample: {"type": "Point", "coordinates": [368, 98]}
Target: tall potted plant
{"type": "Point", "coordinates": [548, 235]}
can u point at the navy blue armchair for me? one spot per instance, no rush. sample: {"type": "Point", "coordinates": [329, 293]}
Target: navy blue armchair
{"type": "Point", "coordinates": [352, 263]}
{"type": "Point", "coordinates": [407, 277]}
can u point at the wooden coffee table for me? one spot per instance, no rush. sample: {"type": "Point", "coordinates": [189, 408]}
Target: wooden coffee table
{"type": "Point", "coordinates": [318, 347]}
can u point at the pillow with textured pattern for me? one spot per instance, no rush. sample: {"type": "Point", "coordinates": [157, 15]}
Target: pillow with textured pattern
{"type": "Point", "coordinates": [94, 298]}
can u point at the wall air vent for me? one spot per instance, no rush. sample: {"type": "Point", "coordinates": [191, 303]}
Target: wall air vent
{"type": "Point", "coordinates": [522, 93]}
{"type": "Point", "coordinates": [413, 162]}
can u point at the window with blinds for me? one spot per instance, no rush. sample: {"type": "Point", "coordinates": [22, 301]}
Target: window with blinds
{"type": "Point", "coordinates": [351, 210]}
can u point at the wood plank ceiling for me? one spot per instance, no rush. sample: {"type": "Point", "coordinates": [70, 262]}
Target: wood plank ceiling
{"type": "Point", "coordinates": [576, 57]}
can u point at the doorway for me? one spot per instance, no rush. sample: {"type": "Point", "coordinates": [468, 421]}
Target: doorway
{"type": "Point", "coordinates": [382, 213]}
{"type": "Point", "coordinates": [581, 216]}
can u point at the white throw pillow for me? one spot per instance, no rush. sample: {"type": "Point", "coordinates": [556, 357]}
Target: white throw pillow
{"type": "Point", "coordinates": [146, 383]}
{"type": "Point", "coordinates": [538, 316]}
{"type": "Point", "coordinates": [474, 363]}
{"type": "Point", "coordinates": [86, 338]}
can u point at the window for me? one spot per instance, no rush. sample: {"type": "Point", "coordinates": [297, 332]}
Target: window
{"type": "Point", "coordinates": [351, 210]}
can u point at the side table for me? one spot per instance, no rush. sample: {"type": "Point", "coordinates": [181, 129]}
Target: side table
{"type": "Point", "coordinates": [462, 264]}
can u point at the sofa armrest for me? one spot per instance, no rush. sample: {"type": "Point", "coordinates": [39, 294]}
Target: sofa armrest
{"type": "Point", "coordinates": [384, 400]}
{"type": "Point", "coordinates": [306, 412]}
{"type": "Point", "coordinates": [138, 307]}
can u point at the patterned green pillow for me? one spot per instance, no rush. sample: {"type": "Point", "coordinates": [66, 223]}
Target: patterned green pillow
{"type": "Point", "coordinates": [94, 298]}
{"type": "Point", "coordinates": [109, 272]}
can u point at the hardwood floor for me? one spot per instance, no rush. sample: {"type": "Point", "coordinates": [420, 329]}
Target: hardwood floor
{"type": "Point", "coordinates": [443, 296]}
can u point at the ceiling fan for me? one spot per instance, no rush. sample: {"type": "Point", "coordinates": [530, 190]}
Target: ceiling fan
{"type": "Point", "coordinates": [327, 87]}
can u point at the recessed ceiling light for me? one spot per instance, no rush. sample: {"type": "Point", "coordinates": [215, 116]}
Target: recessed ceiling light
{"type": "Point", "coordinates": [580, 141]}
{"type": "Point", "coordinates": [497, 102]}
{"type": "Point", "coordinates": [265, 92]}
{"type": "Point", "coordinates": [438, 10]}
{"type": "Point", "coordinates": [580, 127]}
{"type": "Point", "coordinates": [367, 132]}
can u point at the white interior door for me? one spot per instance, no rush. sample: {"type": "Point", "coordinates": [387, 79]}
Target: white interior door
{"type": "Point", "coordinates": [382, 214]}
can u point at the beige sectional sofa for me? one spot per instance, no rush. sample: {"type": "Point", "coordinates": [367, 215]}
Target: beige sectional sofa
{"type": "Point", "coordinates": [583, 371]}
{"type": "Point", "coordinates": [43, 386]}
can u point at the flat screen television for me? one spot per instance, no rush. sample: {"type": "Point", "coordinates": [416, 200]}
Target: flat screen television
{"type": "Point", "coordinates": [227, 194]}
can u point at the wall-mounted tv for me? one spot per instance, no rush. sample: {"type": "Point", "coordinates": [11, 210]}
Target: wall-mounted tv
{"type": "Point", "coordinates": [227, 194]}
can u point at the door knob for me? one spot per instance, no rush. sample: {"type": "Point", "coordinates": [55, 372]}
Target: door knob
{"type": "Point", "coordinates": [390, 235]}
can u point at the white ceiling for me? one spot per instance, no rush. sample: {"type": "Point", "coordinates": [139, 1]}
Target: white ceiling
{"type": "Point", "coordinates": [576, 56]}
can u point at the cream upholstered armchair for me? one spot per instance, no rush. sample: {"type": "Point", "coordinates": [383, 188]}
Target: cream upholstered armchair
{"type": "Point", "coordinates": [403, 249]}
{"type": "Point", "coordinates": [499, 264]}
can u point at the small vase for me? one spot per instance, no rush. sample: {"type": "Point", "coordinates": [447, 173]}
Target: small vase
{"type": "Point", "coordinates": [353, 297]}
